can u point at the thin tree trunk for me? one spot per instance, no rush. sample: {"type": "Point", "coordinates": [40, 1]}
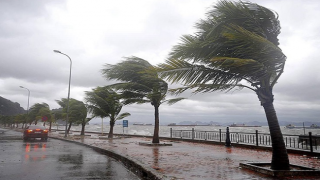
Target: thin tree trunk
{"type": "Point", "coordinates": [112, 122]}
{"type": "Point", "coordinates": [82, 128]}
{"type": "Point", "coordinates": [156, 125]}
{"type": "Point", "coordinates": [69, 127]}
{"type": "Point", "coordinates": [50, 124]}
{"type": "Point", "coordinates": [280, 159]}
{"type": "Point", "coordinates": [102, 126]}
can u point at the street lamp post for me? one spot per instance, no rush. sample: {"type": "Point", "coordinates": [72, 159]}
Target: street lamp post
{"type": "Point", "coordinates": [28, 99]}
{"type": "Point", "coordinates": [56, 51]}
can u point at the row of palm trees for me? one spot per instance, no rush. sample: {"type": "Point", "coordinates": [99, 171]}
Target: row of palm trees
{"type": "Point", "coordinates": [100, 102]}
{"type": "Point", "coordinates": [41, 113]}
{"type": "Point", "coordinates": [36, 113]}
{"type": "Point", "coordinates": [235, 47]}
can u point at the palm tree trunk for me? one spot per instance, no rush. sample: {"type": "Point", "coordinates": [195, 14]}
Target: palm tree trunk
{"type": "Point", "coordinates": [280, 159]}
{"type": "Point", "coordinates": [112, 122]}
{"type": "Point", "coordinates": [69, 127]}
{"type": "Point", "coordinates": [82, 128]}
{"type": "Point", "coordinates": [50, 125]}
{"type": "Point", "coordinates": [156, 125]}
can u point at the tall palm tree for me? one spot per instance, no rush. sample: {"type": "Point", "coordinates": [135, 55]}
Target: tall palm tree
{"type": "Point", "coordinates": [140, 84]}
{"type": "Point", "coordinates": [236, 47]}
{"type": "Point", "coordinates": [105, 102]}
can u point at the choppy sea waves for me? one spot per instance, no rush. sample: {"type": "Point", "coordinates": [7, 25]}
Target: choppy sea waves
{"type": "Point", "coordinates": [164, 131]}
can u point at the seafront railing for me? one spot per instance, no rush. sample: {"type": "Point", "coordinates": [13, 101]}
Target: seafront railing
{"type": "Point", "coordinates": [301, 142]}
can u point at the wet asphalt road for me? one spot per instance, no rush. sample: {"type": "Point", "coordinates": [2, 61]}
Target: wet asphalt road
{"type": "Point", "coordinates": [54, 159]}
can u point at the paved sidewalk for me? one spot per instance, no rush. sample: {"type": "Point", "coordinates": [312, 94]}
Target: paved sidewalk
{"type": "Point", "coordinates": [192, 161]}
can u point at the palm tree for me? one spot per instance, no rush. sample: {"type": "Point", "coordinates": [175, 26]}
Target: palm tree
{"type": "Point", "coordinates": [140, 84]}
{"type": "Point", "coordinates": [37, 111]}
{"type": "Point", "coordinates": [57, 115]}
{"type": "Point", "coordinates": [236, 47]}
{"type": "Point", "coordinates": [83, 125]}
{"type": "Point", "coordinates": [19, 118]}
{"type": "Point", "coordinates": [105, 102]}
{"type": "Point", "coordinates": [77, 111]}
{"type": "Point", "coordinates": [6, 120]}
{"type": "Point", "coordinates": [78, 114]}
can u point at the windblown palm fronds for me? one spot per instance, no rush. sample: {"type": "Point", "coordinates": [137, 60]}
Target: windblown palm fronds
{"type": "Point", "coordinates": [236, 46]}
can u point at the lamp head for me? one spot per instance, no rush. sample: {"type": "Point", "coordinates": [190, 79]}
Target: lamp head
{"type": "Point", "coordinates": [21, 86]}
{"type": "Point", "coordinates": [56, 51]}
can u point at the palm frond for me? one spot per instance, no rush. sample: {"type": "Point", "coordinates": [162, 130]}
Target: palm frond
{"type": "Point", "coordinates": [173, 101]}
{"type": "Point", "coordinates": [203, 88]}
{"type": "Point", "coordinates": [123, 115]}
{"type": "Point", "coordinates": [245, 68]}
{"type": "Point", "coordinates": [188, 74]}
{"type": "Point", "coordinates": [237, 41]}
{"type": "Point", "coordinates": [177, 91]}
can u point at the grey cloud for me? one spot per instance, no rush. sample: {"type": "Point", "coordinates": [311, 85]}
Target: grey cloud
{"type": "Point", "coordinates": [30, 31]}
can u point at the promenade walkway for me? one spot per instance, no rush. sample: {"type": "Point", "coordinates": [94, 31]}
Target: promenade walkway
{"type": "Point", "coordinates": [191, 161]}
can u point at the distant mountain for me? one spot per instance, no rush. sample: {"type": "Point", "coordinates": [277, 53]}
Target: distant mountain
{"type": "Point", "coordinates": [198, 123]}
{"type": "Point", "coordinates": [9, 108]}
{"type": "Point", "coordinates": [186, 123]}
{"type": "Point", "coordinates": [306, 124]}
{"type": "Point", "coordinates": [256, 123]}
{"type": "Point", "coordinates": [249, 123]}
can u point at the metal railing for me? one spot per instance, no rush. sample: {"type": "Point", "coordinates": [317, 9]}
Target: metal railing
{"type": "Point", "coordinates": [300, 142]}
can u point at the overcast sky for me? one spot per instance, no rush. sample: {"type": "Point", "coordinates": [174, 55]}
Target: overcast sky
{"type": "Point", "coordinates": [97, 32]}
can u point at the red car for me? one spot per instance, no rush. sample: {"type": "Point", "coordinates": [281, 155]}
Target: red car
{"type": "Point", "coordinates": [35, 131]}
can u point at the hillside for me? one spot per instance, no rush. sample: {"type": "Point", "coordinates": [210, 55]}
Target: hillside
{"type": "Point", "coordinates": [8, 108]}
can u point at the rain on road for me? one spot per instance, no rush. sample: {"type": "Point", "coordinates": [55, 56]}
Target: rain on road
{"type": "Point", "coordinates": [55, 159]}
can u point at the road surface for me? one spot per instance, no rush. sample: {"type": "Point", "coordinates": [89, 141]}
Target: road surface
{"type": "Point", "coordinates": [54, 159]}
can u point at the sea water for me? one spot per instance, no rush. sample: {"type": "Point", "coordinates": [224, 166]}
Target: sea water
{"type": "Point", "coordinates": [164, 131]}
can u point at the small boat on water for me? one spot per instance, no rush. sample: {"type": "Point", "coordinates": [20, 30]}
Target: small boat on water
{"type": "Point", "coordinates": [142, 124]}
{"type": "Point", "coordinates": [174, 124]}
{"type": "Point", "coordinates": [290, 126]}
{"type": "Point", "coordinates": [314, 126]}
